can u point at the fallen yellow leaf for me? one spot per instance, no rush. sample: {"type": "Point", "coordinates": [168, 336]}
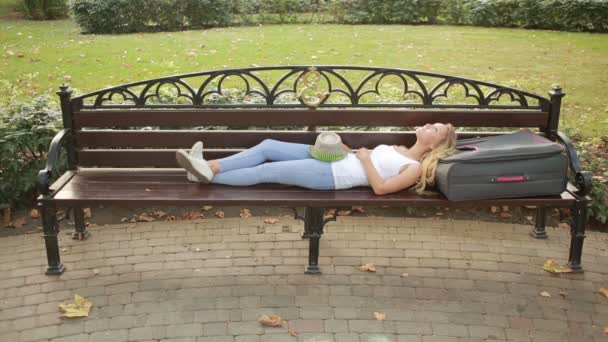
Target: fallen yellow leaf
{"type": "Point", "coordinates": [553, 267]}
{"type": "Point", "coordinates": [20, 222]}
{"type": "Point", "coordinates": [159, 213]}
{"type": "Point", "coordinates": [87, 213]}
{"type": "Point", "coordinates": [270, 320]}
{"type": "Point", "coordinates": [545, 294]}
{"type": "Point", "coordinates": [145, 218]}
{"type": "Point", "coordinates": [34, 213]}
{"type": "Point", "coordinates": [368, 267]}
{"type": "Point", "coordinates": [245, 213]}
{"type": "Point", "coordinates": [344, 212]}
{"type": "Point", "coordinates": [80, 307]}
{"type": "Point", "coordinates": [604, 291]}
{"type": "Point", "coordinates": [380, 316]}
{"type": "Point", "coordinates": [358, 209]}
{"type": "Point", "coordinates": [271, 220]}
{"type": "Point", "coordinates": [329, 213]}
{"type": "Point", "coordinates": [206, 208]}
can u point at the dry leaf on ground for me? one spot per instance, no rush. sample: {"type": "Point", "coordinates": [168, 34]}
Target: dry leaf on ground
{"type": "Point", "coordinates": [159, 213]}
{"type": "Point", "coordinates": [358, 209]}
{"type": "Point", "coordinates": [270, 320]}
{"type": "Point", "coordinates": [505, 208]}
{"type": "Point", "coordinates": [564, 294]}
{"type": "Point", "coordinates": [563, 225]}
{"type": "Point", "coordinates": [87, 213]}
{"type": "Point", "coordinates": [505, 215]}
{"type": "Point", "coordinates": [124, 219]}
{"type": "Point", "coordinates": [18, 223]}
{"type": "Point", "coordinates": [603, 291]}
{"type": "Point", "coordinates": [329, 213]}
{"type": "Point", "coordinates": [344, 212]}
{"type": "Point", "coordinates": [368, 267]}
{"type": "Point", "coordinates": [80, 307]}
{"type": "Point", "coordinates": [192, 215]}
{"type": "Point", "coordinates": [7, 216]}
{"type": "Point", "coordinates": [405, 275]}
{"type": "Point", "coordinates": [206, 208]}
{"type": "Point", "coordinates": [145, 218]}
{"type": "Point", "coordinates": [606, 330]}
{"type": "Point", "coordinates": [545, 294]}
{"type": "Point", "coordinates": [148, 189]}
{"type": "Point", "coordinates": [292, 332]}
{"type": "Point", "coordinates": [219, 214]}
{"type": "Point", "coordinates": [494, 209]}
{"type": "Point", "coordinates": [34, 213]}
{"type": "Point", "coordinates": [245, 213]}
{"type": "Point", "coordinates": [553, 267]}
{"type": "Point", "coordinates": [95, 271]}
{"type": "Point", "coordinates": [380, 316]}
{"type": "Point", "coordinates": [271, 220]}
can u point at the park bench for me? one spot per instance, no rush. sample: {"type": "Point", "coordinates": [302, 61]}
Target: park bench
{"type": "Point", "coordinates": [120, 142]}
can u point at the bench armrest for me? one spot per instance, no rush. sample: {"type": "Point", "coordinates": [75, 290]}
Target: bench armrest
{"type": "Point", "coordinates": [45, 175]}
{"type": "Point", "coordinates": [582, 178]}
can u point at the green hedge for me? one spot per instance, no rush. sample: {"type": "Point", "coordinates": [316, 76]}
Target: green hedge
{"type": "Point", "coordinates": [43, 9]}
{"type": "Point", "coordinates": [26, 130]}
{"type": "Point", "coordinates": [120, 16]}
{"type": "Point", "coordinates": [124, 16]}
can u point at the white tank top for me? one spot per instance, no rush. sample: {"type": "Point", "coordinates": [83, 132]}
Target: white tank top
{"type": "Point", "coordinates": [349, 172]}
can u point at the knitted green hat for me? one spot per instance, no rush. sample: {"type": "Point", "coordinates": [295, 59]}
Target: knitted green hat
{"type": "Point", "coordinates": [328, 148]}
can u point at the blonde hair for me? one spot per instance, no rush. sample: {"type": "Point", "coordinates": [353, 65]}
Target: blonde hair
{"type": "Point", "coordinates": [429, 160]}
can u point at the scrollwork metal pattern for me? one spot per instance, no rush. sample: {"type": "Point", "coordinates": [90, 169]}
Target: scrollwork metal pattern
{"type": "Point", "coordinates": [309, 87]}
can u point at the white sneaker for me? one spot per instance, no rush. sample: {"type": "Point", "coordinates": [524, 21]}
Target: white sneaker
{"type": "Point", "coordinates": [198, 167]}
{"type": "Point", "coordinates": [196, 152]}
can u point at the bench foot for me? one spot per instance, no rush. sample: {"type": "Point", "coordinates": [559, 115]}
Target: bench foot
{"type": "Point", "coordinates": [55, 270]}
{"type": "Point", "coordinates": [312, 269]}
{"type": "Point", "coordinates": [51, 229]}
{"type": "Point", "coordinates": [539, 228]}
{"type": "Point", "coordinates": [577, 234]}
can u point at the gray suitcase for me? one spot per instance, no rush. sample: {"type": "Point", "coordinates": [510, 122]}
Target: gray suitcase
{"type": "Point", "coordinates": [520, 164]}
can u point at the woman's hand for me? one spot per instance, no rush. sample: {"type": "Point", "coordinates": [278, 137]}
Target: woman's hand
{"type": "Point", "coordinates": [363, 154]}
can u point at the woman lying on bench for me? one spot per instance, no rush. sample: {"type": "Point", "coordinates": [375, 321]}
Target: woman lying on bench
{"type": "Point", "coordinates": [386, 169]}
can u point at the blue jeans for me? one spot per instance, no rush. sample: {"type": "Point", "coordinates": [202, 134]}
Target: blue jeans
{"type": "Point", "coordinates": [290, 164]}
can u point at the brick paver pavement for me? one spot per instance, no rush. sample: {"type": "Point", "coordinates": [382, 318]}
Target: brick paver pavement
{"type": "Point", "coordinates": [436, 281]}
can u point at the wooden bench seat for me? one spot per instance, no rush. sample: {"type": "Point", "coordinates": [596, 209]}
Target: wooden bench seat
{"type": "Point", "coordinates": [143, 187]}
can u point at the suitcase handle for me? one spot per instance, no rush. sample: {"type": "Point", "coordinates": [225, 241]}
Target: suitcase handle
{"type": "Point", "coordinates": [510, 179]}
{"type": "Point", "coordinates": [467, 148]}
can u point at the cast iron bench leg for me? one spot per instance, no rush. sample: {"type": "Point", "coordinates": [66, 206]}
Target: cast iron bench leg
{"type": "Point", "coordinates": [577, 234]}
{"type": "Point", "coordinates": [539, 228]}
{"type": "Point", "coordinates": [313, 224]}
{"type": "Point", "coordinates": [51, 229]}
{"type": "Point", "coordinates": [81, 232]}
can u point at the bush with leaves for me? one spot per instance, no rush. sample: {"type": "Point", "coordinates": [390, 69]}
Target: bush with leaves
{"type": "Point", "coordinates": [124, 16]}
{"type": "Point", "coordinates": [26, 130]}
{"type": "Point", "coordinates": [43, 9]}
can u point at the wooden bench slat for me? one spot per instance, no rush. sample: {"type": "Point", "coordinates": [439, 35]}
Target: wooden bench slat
{"type": "Point", "coordinates": [240, 138]}
{"type": "Point", "coordinates": [141, 158]}
{"type": "Point", "coordinates": [306, 117]}
{"type": "Point", "coordinates": [148, 188]}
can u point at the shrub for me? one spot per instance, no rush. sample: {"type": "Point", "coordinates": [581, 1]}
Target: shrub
{"type": "Point", "coordinates": [43, 9]}
{"type": "Point", "coordinates": [123, 16]}
{"type": "Point", "coordinates": [26, 130]}
{"type": "Point", "coordinates": [594, 157]}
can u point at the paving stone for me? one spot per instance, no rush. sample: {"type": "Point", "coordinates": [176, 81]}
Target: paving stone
{"type": "Point", "coordinates": [109, 336]}
{"type": "Point", "coordinates": [315, 337]}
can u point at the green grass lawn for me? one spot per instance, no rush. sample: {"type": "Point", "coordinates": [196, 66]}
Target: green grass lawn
{"type": "Point", "coordinates": [38, 56]}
